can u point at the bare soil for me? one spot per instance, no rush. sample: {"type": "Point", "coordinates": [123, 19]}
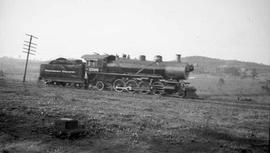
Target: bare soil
{"type": "Point", "coordinates": [122, 122]}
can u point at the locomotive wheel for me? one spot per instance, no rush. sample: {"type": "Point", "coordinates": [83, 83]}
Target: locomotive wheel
{"type": "Point", "coordinates": [144, 87]}
{"type": "Point", "coordinates": [100, 85]}
{"type": "Point", "coordinates": [181, 92]}
{"type": "Point", "coordinates": [131, 86]}
{"type": "Point", "coordinates": [119, 85]}
{"type": "Point", "coordinates": [158, 88]}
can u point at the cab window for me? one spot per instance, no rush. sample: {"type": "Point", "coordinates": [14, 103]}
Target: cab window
{"type": "Point", "coordinates": [92, 63]}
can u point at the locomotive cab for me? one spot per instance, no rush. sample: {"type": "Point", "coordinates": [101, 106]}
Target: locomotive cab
{"type": "Point", "coordinates": [94, 65]}
{"type": "Point", "coordinates": [97, 63]}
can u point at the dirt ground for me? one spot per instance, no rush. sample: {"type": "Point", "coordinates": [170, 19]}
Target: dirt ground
{"type": "Point", "coordinates": [122, 122]}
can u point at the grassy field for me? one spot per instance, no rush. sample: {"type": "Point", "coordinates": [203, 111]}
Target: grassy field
{"type": "Point", "coordinates": [231, 118]}
{"type": "Point", "coordinates": [233, 86]}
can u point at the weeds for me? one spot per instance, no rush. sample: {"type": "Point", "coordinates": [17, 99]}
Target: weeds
{"type": "Point", "coordinates": [134, 123]}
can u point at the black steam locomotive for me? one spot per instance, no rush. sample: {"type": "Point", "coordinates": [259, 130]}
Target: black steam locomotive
{"type": "Point", "coordinates": [121, 74]}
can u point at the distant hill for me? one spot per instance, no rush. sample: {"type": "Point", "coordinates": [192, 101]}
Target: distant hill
{"type": "Point", "coordinates": [202, 64]}
{"type": "Point", "coordinates": [16, 66]}
{"type": "Point", "coordinates": [213, 65]}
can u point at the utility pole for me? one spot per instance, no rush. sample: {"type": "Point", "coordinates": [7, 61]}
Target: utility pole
{"type": "Point", "coordinates": [30, 48]}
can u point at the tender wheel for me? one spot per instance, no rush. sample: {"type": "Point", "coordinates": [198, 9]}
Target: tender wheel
{"type": "Point", "coordinates": [119, 85]}
{"type": "Point", "coordinates": [144, 87]}
{"type": "Point", "coordinates": [90, 86]}
{"type": "Point", "coordinates": [158, 88]}
{"type": "Point", "coordinates": [131, 86]}
{"type": "Point", "coordinates": [100, 85]}
{"type": "Point", "coordinates": [42, 83]}
{"type": "Point", "coordinates": [78, 85]}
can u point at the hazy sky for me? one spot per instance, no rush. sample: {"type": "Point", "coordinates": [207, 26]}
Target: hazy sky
{"type": "Point", "coordinates": [226, 29]}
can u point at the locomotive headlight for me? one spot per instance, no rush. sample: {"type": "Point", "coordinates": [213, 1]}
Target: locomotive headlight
{"type": "Point", "coordinates": [189, 68]}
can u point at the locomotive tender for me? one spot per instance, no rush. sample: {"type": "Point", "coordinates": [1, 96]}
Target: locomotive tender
{"type": "Point", "coordinates": [121, 74]}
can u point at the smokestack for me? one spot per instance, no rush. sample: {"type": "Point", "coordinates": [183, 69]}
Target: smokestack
{"type": "Point", "coordinates": [142, 58]}
{"type": "Point", "coordinates": [178, 58]}
{"type": "Point", "coordinates": [158, 58]}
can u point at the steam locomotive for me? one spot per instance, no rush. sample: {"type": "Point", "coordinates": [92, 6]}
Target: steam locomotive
{"type": "Point", "coordinates": [121, 74]}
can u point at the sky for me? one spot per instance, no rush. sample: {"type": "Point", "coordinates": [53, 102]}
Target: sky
{"type": "Point", "coordinates": [224, 29]}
